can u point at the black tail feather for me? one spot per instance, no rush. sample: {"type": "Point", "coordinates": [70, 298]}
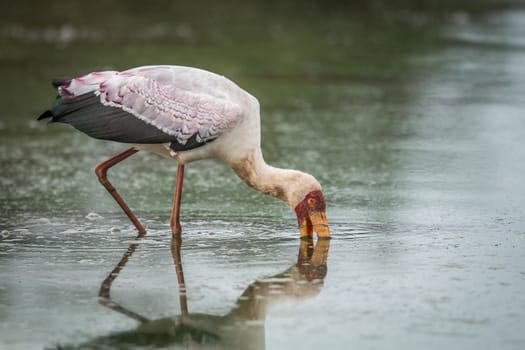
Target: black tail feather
{"type": "Point", "coordinates": [57, 82]}
{"type": "Point", "coordinates": [46, 114]}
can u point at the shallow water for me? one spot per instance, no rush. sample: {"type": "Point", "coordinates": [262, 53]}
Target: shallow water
{"type": "Point", "coordinates": [414, 126]}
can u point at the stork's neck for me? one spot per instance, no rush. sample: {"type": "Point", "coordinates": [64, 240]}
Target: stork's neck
{"type": "Point", "coordinates": [287, 185]}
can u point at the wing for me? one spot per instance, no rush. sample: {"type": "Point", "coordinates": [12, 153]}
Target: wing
{"type": "Point", "coordinates": [134, 108]}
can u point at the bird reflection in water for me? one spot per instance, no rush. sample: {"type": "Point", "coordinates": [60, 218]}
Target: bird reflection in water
{"type": "Point", "coordinates": [242, 328]}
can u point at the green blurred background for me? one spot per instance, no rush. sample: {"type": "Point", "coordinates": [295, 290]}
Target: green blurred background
{"type": "Point", "coordinates": [252, 42]}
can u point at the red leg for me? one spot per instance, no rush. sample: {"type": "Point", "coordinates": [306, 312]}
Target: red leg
{"type": "Point", "coordinates": [101, 170]}
{"type": "Point", "coordinates": [175, 212]}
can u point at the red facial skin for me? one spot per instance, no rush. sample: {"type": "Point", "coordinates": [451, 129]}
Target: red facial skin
{"type": "Point", "coordinates": [311, 215]}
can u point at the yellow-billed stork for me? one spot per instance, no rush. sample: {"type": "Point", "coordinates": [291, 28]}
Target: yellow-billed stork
{"type": "Point", "coordinates": [185, 114]}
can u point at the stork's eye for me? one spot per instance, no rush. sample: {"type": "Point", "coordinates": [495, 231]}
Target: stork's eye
{"type": "Point", "coordinates": [311, 202]}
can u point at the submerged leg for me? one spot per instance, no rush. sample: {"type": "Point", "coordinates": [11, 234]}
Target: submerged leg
{"type": "Point", "coordinates": [101, 170]}
{"type": "Point", "coordinates": [176, 229]}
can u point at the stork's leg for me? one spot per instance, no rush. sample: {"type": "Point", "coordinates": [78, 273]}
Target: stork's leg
{"type": "Point", "coordinates": [101, 170]}
{"type": "Point", "coordinates": [175, 212]}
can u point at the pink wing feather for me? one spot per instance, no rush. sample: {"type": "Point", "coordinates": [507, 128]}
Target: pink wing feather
{"type": "Point", "coordinates": [152, 95]}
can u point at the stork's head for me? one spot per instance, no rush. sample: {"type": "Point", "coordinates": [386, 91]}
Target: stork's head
{"type": "Point", "coordinates": [311, 216]}
{"type": "Point", "coordinates": [303, 194]}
